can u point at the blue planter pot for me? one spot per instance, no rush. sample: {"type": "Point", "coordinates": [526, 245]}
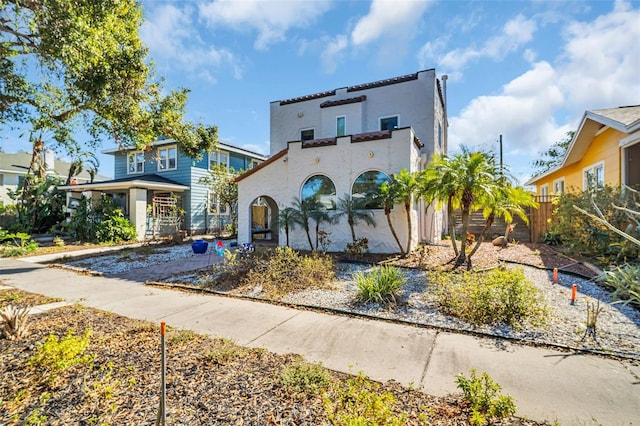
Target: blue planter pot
{"type": "Point", "coordinates": [199, 246]}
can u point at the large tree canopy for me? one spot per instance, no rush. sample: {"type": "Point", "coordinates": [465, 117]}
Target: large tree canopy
{"type": "Point", "coordinates": [554, 156]}
{"type": "Point", "coordinates": [69, 65]}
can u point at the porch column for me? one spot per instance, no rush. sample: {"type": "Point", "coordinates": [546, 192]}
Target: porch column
{"type": "Point", "coordinates": [138, 211]}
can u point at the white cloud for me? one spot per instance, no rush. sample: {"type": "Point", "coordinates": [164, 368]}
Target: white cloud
{"type": "Point", "coordinates": [271, 19]}
{"type": "Point", "coordinates": [387, 17]}
{"type": "Point", "coordinates": [515, 33]}
{"type": "Point", "coordinates": [523, 113]}
{"type": "Point", "coordinates": [600, 64]}
{"type": "Point", "coordinates": [332, 53]}
{"type": "Point", "coordinates": [170, 34]}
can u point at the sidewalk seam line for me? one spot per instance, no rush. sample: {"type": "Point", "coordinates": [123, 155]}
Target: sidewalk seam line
{"type": "Point", "coordinates": [273, 328]}
{"type": "Point", "coordinates": [426, 366]}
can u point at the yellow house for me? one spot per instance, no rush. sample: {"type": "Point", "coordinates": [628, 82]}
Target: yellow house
{"type": "Point", "coordinates": [605, 150]}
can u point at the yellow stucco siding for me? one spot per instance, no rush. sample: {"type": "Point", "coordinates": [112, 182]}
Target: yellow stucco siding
{"type": "Point", "coordinates": [603, 148]}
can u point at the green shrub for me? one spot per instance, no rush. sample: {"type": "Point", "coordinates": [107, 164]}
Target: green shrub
{"type": "Point", "coordinates": [285, 271]}
{"type": "Point", "coordinates": [381, 285]}
{"type": "Point", "coordinates": [625, 283]}
{"type": "Point", "coordinates": [581, 234]}
{"type": "Point", "coordinates": [303, 377]}
{"type": "Point", "coordinates": [357, 402]}
{"type": "Point", "coordinates": [222, 351]}
{"type": "Point", "coordinates": [57, 354]}
{"type": "Point", "coordinates": [16, 244]}
{"type": "Point", "coordinates": [499, 296]}
{"type": "Point", "coordinates": [115, 228]}
{"type": "Point", "coordinates": [483, 396]}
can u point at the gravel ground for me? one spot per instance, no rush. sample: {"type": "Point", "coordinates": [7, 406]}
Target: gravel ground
{"type": "Point", "coordinates": [618, 329]}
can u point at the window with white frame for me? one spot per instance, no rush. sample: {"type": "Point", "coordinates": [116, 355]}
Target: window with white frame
{"type": "Point", "coordinates": [167, 158]}
{"type": "Point", "coordinates": [389, 123]}
{"type": "Point", "coordinates": [307, 134]}
{"type": "Point", "coordinates": [218, 158]}
{"type": "Point", "coordinates": [558, 186]}
{"type": "Point", "coordinates": [544, 190]}
{"type": "Point", "coordinates": [593, 176]}
{"type": "Point", "coordinates": [135, 162]}
{"type": "Point", "coordinates": [215, 206]}
{"type": "Point", "coordinates": [341, 125]}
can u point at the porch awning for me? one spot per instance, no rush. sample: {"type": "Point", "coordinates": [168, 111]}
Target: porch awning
{"type": "Point", "coordinates": [151, 182]}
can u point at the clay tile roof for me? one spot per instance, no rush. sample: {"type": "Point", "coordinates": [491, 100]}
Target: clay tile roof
{"type": "Point", "coordinates": [371, 136]}
{"type": "Point", "coordinates": [343, 101]}
{"type": "Point", "coordinates": [308, 97]}
{"type": "Point", "coordinates": [381, 83]}
{"type": "Point", "coordinates": [319, 142]}
{"type": "Point", "coordinates": [418, 142]}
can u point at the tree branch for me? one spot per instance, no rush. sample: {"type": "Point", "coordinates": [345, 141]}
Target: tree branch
{"type": "Point", "coordinates": [608, 225]}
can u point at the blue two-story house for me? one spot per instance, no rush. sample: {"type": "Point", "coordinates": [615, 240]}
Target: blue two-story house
{"type": "Point", "coordinates": [159, 188]}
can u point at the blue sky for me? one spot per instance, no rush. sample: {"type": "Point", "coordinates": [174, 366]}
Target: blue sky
{"type": "Point", "coordinates": [524, 69]}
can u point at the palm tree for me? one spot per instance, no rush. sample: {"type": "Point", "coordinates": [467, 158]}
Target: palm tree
{"type": "Point", "coordinates": [466, 181]}
{"type": "Point", "coordinates": [389, 197]}
{"type": "Point", "coordinates": [319, 215]}
{"type": "Point", "coordinates": [287, 221]}
{"type": "Point", "coordinates": [302, 214]}
{"type": "Point", "coordinates": [355, 213]}
{"type": "Point", "coordinates": [509, 200]}
{"type": "Point", "coordinates": [405, 187]}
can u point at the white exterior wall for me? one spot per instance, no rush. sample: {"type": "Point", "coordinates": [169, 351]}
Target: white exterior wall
{"type": "Point", "coordinates": [414, 101]}
{"type": "Point", "coordinates": [343, 163]}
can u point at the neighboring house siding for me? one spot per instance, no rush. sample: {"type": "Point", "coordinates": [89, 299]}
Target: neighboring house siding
{"type": "Point", "coordinates": [197, 202]}
{"type": "Point", "coordinates": [603, 148]}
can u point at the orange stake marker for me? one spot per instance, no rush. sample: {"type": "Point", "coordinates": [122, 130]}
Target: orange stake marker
{"type": "Point", "coordinates": [162, 328]}
{"type": "Point", "coordinates": [574, 289]}
{"type": "Point", "coordinates": [555, 275]}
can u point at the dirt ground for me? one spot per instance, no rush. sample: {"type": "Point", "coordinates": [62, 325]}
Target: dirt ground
{"type": "Point", "coordinates": [209, 381]}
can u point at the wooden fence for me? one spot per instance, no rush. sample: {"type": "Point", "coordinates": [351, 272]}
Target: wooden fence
{"type": "Point", "coordinates": [540, 219]}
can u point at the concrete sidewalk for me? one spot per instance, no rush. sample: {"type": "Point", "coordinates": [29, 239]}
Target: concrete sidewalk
{"type": "Point", "coordinates": [546, 384]}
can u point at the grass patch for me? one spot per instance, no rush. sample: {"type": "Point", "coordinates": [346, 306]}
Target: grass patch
{"type": "Point", "coordinates": [381, 285]}
{"type": "Point", "coordinates": [500, 296]}
{"type": "Point", "coordinates": [304, 378]}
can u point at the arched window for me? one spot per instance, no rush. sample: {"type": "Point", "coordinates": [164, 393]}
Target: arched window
{"type": "Point", "coordinates": [366, 189]}
{"type": "Point", "coordinates": [321, 188]}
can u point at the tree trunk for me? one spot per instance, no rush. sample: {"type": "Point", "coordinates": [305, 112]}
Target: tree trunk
{"type": "Point", "coordinates": [353, 232]}
{"type": "Point", "coordinates": [482, 237]}
{"type": "Point", "coordinates": [306, 228]}
{"type": "Point", "coordinates": [462, 256]}
{"type": "Point", "coordinates": [452, 227]}
{"type": "Point", "coordinates": [407, 207]}
{"type": "Point", "coordinates": [286, 233]}
{"type": "Point", "coordinates": [387, 212]}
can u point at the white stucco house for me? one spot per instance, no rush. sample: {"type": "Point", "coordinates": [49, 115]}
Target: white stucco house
{"type": "Point", "coordinates": [344, 143]}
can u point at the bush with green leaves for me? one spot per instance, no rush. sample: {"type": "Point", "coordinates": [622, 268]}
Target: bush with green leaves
{"type": "Point", "coordinates": [625, 284]}
{"type": "Point", "coordinates": [358, 401]}
{"type": "Point", "coordinates": [16, 244]}
{"type": "Point", "coordinates": [582, 235]}
{"type": "Point", "coordinates": [484, 398]}
{"type": "Point", "coordinates": [100, 222]}
{"type": "Point", "coordinates": [381, 285]}
{"type": "Point", "coordinates": [500, 296]}
{"type": "Point", "coordinates": [58, 354]}
{"type": "Point", "coordinates": [303, 377]}
{"type": "Point", "coordinates": [39, 204]}
{"type": "Point", "coordinates": [284, 270]}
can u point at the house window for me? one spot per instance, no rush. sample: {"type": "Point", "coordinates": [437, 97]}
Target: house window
{"type": "Point", "coordinates": [307, 134]}
{"type": "Point", "coordinates": [558, 186]}
{"type": "Point", "coordinates": [389, 123]}
{"type": "Point", "coordinates": [135, 162]}
{"type": "Point", "coordinates": [218, 158]}
{"type": "Point", "coordinates": [341, 125]}
{"type": "Point", "coordinates": [366, 189]}
{"type": "Point", "coordinates": [322, 189]}
{"type": "Point", "coordinates": [544, 190]}
{"type": "Point", "coordinates": [593, 176]}
{"type": "Point", "coordinates": [215, 206]}
{"type": "Point", "coordinates": [167, 158]}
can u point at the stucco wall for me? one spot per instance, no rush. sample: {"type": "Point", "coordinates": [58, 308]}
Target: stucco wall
{"type": "Point", "coordinates": [414, 101]}
{"type": "Point", "coordinates": [282, 180]}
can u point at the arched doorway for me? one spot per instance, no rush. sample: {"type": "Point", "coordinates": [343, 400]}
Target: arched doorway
{"type": "Point", "coordinates": [263, 220]}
